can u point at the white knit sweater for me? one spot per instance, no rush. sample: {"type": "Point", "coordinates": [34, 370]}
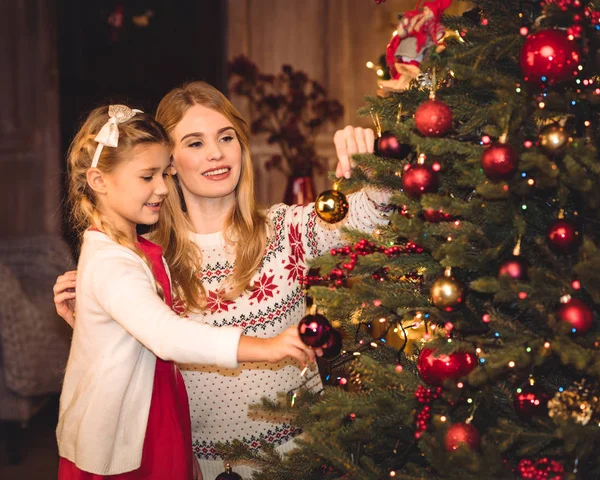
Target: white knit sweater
{"type": "Point", "coordinates": [121, 325]}
{"type": "Point", "coordinates": [219, 397]}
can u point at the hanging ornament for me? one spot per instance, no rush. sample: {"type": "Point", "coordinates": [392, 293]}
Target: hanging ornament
{"type": "Point", "coordinates": [531, 401]}
{"type": "Point", "coordinates": [549, 56]}
{"type": "Point", "coordinates": [447, 292]}
{"type": "Point", "coordinates": [314, 330]}
{"type": "Point", "coordinates": [552, 138]}
{"type": "Point", "coordinates": [563, 236]}
{"type": "Point", "coordinates": [516, 266]}
{"type": "Point", "coordinates": [462, 434]}
{"type": "Point", "coordinates": [387, 145]}
{"type": "Point", "coordinates": [433, 369]}
{"type": "Point", "coordinates": [228, 474]}
{"type": "Point", "coordinates": [499, 161]}
{"type": "Point", "coordinates": [576, 313]}
{"type": "Point", "coordinates": [419, 179]}
{"type": "Point", "coordinates": [332, 205]}
{"type": "Point", "coordinates": [333, 346]}
{"type": "Point", "coordinates": [433, 118]}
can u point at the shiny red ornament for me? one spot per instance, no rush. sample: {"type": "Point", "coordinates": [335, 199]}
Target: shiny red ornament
{"type": "Point", "coordinates": [389, 146]}
{"type": "Point", "coordinates": [333, 347]}
{"type": "Point", "coordinates": [549, 56]}
{"type": "Point", "coordinates": [563, 236]}
{"type": "Point", "coordinates": [515, 268]}
{"type": "Point", "coordinates": [314, 330]}
{"type": "Point", "coordinates": [531, 401]}
{"type": "Point", "coordinates": [433, 118]}
{"type": "Point", "coordinates": [499, 161]}
{"type": "Point", "coordinates": [433, 369]}
{"type": "Point", "coordinates": [419, 179]}
{"type": "Point", "coordinates": [462, 434]}
{"type": "Point", "coordinates": [577, 314]}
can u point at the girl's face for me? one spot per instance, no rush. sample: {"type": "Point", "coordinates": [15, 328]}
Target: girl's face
{"type": "Point", "coordinates": [207, 154]}
{"type": "Point", "coordinates": [135, 190]}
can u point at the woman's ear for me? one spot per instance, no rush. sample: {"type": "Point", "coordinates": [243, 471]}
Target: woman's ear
{"type": "Point", "coordinates": [172, 170]}
{"type": "Point", "coordinates": [96, 181]}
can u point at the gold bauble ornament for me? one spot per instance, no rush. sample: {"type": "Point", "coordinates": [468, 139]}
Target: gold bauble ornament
{"type": "Point", "coordinates": [552, 138]}
{"type": "Point", "coordinates": [447, 292]}
{"type": "Point", "coordinates": [332, 205]}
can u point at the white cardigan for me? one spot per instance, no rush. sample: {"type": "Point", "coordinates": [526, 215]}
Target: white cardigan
{"type": "Point", "coordinates": [122, 326]}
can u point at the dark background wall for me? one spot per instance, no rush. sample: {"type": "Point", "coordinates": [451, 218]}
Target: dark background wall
{"type": "Point", "coordinates": [60, 58]}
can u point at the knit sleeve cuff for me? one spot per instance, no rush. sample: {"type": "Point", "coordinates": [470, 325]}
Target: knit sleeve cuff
{"type": "Point", "coordinates": [226, 346]}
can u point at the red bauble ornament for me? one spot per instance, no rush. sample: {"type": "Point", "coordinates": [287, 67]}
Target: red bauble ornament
{"type": "Point", "coordinates": [531, 401]}
{"type": "Point", "coordinates": [333, 347]}
{"type": "Point", "coordinates": [462, 434]}
{"type": "Point", "coordinates": [388, 146]}
{"type": "Point", "coordinates": [577, 314]}
{"type": "Point", "coordinates": [515, 268]}
{"type": "Point", "coordinates": [563, 236]}
{"type": "Point", "coordinates": [228, 474]}
{"type": "Point", "coordinates": [549, 56]}
{"type": "Point", "coordinates": [434, 370]}
{"type": "Point", "coordinates": [433, 118]}
{"type": "Point", "coordinates": [419, 179]}
{"type": "Point", "coordinates": [499, 161]}
{"type": "Point", "coordinates": [314, 330]}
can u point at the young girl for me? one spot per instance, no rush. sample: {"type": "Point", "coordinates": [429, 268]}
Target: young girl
{"type": "Point", "coordinates": [252, 263]}
{"type": "Point", "coordinates": [123, 409]}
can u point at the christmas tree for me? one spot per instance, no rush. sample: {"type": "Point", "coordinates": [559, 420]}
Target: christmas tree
{"type": "Point", "coordinates": [470, 318]}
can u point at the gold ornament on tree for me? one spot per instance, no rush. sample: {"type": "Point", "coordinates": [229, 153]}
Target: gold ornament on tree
{"type": "Point", "coordinates": [553, 137]}
{"type": "Point", "coordinates": [578, 403]}
{"type": "Point", "coordinates": [447, 293]}
{"type": "Point", "coordinates": [332, 205]}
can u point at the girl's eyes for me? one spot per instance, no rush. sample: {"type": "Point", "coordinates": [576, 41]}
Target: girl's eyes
{"type": "Point", "coordinates": [147, 179]}
{"type": "Point", "coordinates": [227, 138]}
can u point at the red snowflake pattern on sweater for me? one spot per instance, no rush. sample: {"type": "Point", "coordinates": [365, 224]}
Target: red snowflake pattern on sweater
{"type": "Point", "coordinates": [263, 288]}
{"type": "Point", "coordinates": [295, 237]}
{"type": "Point", "coordinates": [295, 269]}
{"type": "Point", "coordinates": [216, 304]}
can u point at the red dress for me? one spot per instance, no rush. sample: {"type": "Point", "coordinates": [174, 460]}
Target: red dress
{"type": "Point", "coordinates": [167, 452]}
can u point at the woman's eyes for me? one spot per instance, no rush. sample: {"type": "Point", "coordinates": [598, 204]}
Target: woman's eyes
{"type": "Point", "coordinates": [147, 179]}
{"type": "Point", "coordinates": [226, 139]}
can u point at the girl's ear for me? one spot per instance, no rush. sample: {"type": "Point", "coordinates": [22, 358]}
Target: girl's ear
{"type": "Point", "coordinates": [96, 180]}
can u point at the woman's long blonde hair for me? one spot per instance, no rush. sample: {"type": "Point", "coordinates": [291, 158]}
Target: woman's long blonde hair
{"type": "Point", "coordinates": [172, 228]}
{"type": "Point", "coordinates": [245, 227]}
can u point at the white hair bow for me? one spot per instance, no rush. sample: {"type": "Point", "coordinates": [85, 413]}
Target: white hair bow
{"type": "Point", "coordinates": [108, 136]}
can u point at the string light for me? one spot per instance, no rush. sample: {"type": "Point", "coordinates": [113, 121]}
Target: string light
{"type": "Point", "coordinates": [576, 284]}
{"type": "Point", "coordinates": [511, 364]}
{"type": "Point", "coordinates": [443, 418]}
{"type": "Point", "coordinates": [486, 318]}
{"type": "Point", "coordinates": [399, 368]}
{"type": "Point", "coordinates": [547, 345]}
{"type": "Point", "coordinates": [460, 385]}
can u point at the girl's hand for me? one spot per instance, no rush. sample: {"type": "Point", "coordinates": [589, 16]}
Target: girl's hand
{"type": "Point", "coordinates": [288, 344]}
{"type": "Point", "coordinates": [349, 141]}
{"type": "Point", "coordinates": [64, 296]}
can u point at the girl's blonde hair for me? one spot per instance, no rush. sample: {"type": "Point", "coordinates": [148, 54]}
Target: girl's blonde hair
{"type": "Point", "coordinates": [246, 226]}
{"type": "Point", "coordinates": [172, 229]}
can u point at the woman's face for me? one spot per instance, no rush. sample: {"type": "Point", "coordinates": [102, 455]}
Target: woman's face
{"type": "Point", "coordinates": [207, 154]}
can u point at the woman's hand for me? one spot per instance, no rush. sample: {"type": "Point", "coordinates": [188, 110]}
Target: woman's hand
{"type": "Point", "coordinates": [197, 471]}
{"type": "Point", "coordinates": [64, 296]}
{"type": "Point", "coordinates": [349, 141]}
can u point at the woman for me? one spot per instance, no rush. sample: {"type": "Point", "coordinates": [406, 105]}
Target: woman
{"type": "Point", "coordinates": [252, 262]}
